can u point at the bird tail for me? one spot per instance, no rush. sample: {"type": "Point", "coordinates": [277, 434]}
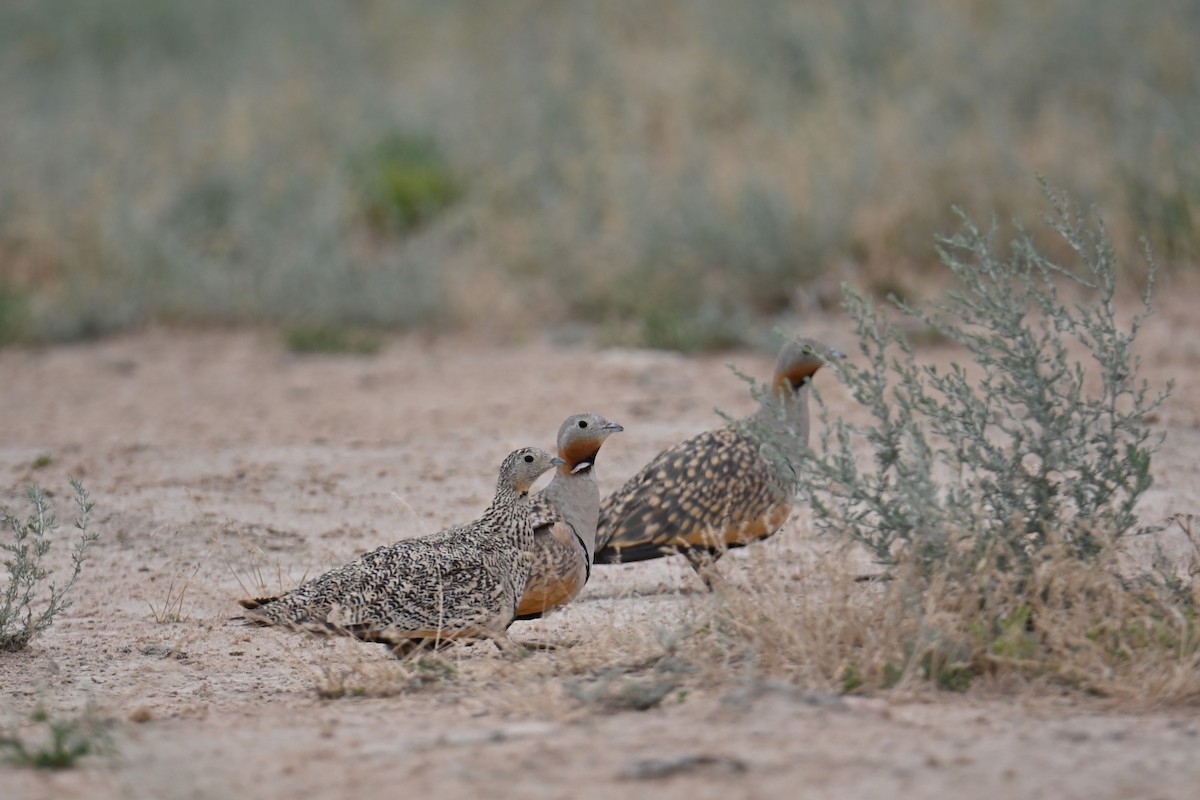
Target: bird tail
{"type": "Point", "coordinates": [642, 551]}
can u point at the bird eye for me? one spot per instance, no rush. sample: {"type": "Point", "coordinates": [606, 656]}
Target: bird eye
{"type": "Point", "coordinates": [528, 459]}
{"type": "Point", "coordinates": [583, 423]}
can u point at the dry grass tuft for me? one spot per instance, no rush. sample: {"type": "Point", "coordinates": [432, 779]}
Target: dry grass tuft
{"type": "Point", "coordinates": [339, 678]}
{"type": "Point", "coordinates": [170, 608]}
{"type": "Point", "coordinates": [1069, 623]}
{"type": "Point", "coordinates": [258, 574]}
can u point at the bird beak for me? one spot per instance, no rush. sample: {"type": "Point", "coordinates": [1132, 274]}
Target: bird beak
{"type": "Point", "coordinates": [556, 462]}
{"type": "Point", "coordinates": [613, 427]}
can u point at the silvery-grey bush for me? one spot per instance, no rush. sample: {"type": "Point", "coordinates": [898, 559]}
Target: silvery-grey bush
{"type": "Point", "coordinates": [1040, 439]}
{"type": "Point", "coordinates": [27, 587]}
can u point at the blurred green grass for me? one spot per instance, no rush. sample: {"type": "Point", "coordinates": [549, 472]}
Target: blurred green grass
{"type": "Point", "coordinates": [671, 174]}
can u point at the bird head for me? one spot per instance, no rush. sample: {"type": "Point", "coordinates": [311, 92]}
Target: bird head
{"type": "Point", "coordinates": [524, 466]}
{"type": "Point", "coordinates": [798, 361]}
{"type": "Point", "coordinates": [580, 438]}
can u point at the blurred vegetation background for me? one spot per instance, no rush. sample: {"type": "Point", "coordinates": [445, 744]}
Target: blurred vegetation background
{"type": "Point", "coordinates": [675, 174]}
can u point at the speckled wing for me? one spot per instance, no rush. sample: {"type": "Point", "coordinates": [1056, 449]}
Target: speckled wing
{"type": "Point", "coordinates": [559, 566]}
{"type": "Point", "coordinates": [556, 542]}
{"type": "Point", "coordinates": [711, 492]}
{"type": "Point", "coordinates": [559, 570]}
{"type": "Point", "coordinates": [423, 588]}
{"type": "Point", "coordinates": [541, 512]}
{"type": "Point", "coordinates": [412, 585]}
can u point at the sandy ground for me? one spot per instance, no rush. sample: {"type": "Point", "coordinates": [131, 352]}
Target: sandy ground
{"type": "Point", "coordinates": [222, 465]}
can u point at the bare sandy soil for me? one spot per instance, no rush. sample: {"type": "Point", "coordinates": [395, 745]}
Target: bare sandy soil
{"type": "Point", "coordinates": [221, 466]}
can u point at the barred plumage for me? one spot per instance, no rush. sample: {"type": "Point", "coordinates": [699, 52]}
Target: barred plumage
{"type": "Point", "coordinates": [716, 490]}
{"type": "Point", "coordinates": [564, 519]}
{"type": "Point", "coordinates": [463, 582]}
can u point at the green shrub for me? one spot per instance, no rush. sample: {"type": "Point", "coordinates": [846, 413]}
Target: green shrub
{"type": "Point", "coordinates": [31, 541]}
{"type": "Point", "coordinates": [330, 339]}
{"type": "Point", "coordinates": [672, 314]}
{"type": "Point", "coordinates": [403, 182]}
{"type": "Point", "coordinates": [14, 316]}
{"type": "Point", "coordinates": [65, 740]}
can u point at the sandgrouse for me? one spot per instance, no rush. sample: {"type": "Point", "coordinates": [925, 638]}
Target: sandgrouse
{"type": "Point", "coordinates": [463, 582]}
{"type": "Point", "coordinates": [717, 490]}
{"type": "Point", "coordinates": [564, 518]}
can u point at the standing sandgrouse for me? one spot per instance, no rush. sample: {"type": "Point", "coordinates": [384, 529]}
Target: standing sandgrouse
{"type": "Point", "coordinates": [463, 582]}
{"type": "Point", "coordinates": [564, 518]}
{"type": "Point", "coordinates": [717, 490]}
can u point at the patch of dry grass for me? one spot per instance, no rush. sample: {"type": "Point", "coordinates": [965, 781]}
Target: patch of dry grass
{"type": "Point", "coordinates": [1068, 623]}
{"type": "Point", "coordinates": [336, 678]}
{"type": "Point", "coordinates": [206, 161]}
{"type": "Point", "coordinates": [257, 573]}
{"type": "Point", "coordinates": [807, 619]}
{"type": "Point", "coordinates": [170, 607]}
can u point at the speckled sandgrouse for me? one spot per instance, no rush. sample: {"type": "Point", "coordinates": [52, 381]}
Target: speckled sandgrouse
{"type": "Point", "coordinates": [564, 518]}
{"type": "Point", "coordinates": [717, 490]}
{"type": "Point", "coordinates": [463, 582]}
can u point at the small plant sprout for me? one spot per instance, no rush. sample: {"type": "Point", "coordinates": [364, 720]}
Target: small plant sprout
{"type": "Point", "coordinates": [46, 741]}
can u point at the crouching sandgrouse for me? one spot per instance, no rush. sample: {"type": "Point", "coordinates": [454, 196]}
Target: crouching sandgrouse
{"type": "Point", "coordinates": [463, 582]}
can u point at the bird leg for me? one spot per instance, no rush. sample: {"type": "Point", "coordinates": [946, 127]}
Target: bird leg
{"type": "Point", "coordinates": [513, 651]}
{"type": "Point", "coordinates": [403, 647]}
{"type": "Point", "coordinates": [705, 564]}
